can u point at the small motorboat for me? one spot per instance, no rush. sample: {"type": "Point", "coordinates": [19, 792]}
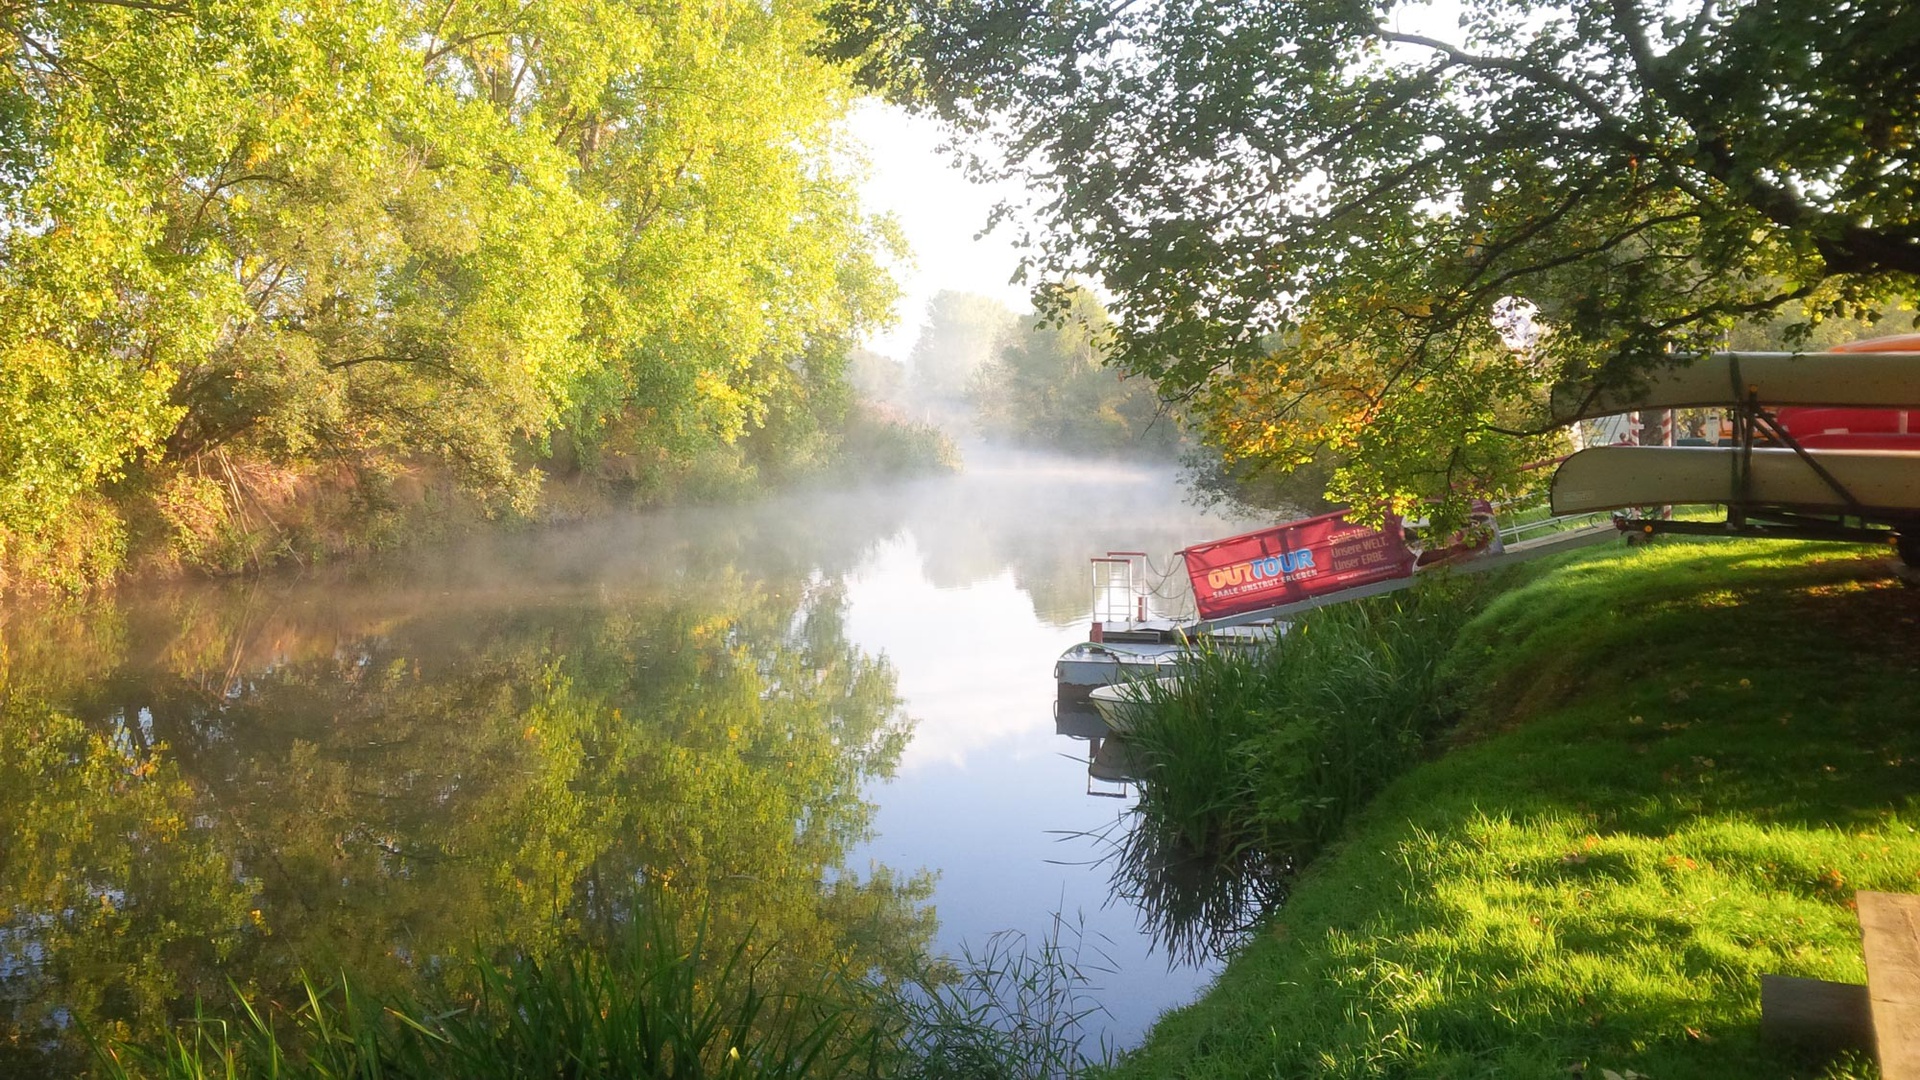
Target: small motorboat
{"type": "Point", "coordinates": [1093, 664]}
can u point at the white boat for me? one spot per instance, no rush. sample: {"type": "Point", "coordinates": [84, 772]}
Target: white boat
{"type": "Point", "coordinates": [1611, 477]}
{"type": "Point", "coordinates": [1091, 664]}
{"type": "Point", "coordinates": [1119, 704]}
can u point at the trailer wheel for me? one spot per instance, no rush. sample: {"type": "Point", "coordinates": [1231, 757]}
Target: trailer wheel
{"type": "Point", "coordinates": [1907, 541]}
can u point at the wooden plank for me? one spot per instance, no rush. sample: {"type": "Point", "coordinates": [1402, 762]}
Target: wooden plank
{"type": "Point", "coordinates": [1890, 937]}
{"type": "Point", "coordinates": [1815, 1013]}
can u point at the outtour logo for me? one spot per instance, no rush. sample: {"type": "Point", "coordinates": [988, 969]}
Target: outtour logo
{"type": "Point", "coordinates": [1273, 566]}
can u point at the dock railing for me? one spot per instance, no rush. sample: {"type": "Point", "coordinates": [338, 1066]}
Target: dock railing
{"type": "Point", "coordinates": [1536, 522]}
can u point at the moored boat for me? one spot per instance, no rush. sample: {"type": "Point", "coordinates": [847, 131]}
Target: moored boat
{"type": "Point", "coordinates": [1120, 704]}
{"type": "Point", "coordinates": [1093, 664]}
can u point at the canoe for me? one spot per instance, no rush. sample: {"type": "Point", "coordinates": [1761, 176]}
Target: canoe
{"type": "Point", "coordinates": [1882, 481]}
{"type": "Point", "coordinates": [1877, 373]}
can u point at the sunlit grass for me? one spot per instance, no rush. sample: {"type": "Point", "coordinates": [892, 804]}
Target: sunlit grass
{"type": "Point", "coordinates": [1675, 767]}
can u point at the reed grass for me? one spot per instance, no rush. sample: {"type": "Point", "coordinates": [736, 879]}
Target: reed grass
{"type": "Point", "coordinates": [659, 1005]}
{"type": "Point", "coordinates": [1017, 1010]}
{"type": "Point", "coordinates": [1259, 759]}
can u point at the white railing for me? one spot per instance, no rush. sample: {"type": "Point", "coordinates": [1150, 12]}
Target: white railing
{"type": "Point", "coordinates": [1547, 526]}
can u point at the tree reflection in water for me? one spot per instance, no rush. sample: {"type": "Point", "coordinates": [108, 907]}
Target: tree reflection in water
{"type": "Point", "coordinates": [372, 770]}
{"type": "Point", "coordinates": [238, 784]}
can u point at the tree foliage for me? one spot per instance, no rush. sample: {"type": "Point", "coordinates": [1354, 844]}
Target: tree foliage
{"type": "Point", "coordinates": [1341, 232]}
{"type": "Point", "coordinates": [961, 335]}
{"type": "Point", "coordinates": [1047, 386]}
{"type": "Point", "coordinates": [246, 248]}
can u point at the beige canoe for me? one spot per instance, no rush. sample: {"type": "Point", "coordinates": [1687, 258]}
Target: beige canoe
{"type": "Point", "coordinates": [1861, 380]}
{"type": "Point", "coordinates": [1612, 477]}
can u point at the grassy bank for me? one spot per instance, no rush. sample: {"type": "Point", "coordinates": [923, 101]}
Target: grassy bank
{"type": "Point", "coordinates": [1672, 768]}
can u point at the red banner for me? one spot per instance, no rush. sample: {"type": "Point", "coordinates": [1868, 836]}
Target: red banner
{"type": "Point", "coordinates": [1296, 561]}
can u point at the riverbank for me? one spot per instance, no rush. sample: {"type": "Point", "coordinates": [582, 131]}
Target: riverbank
{"type": "Point", "coordinates": [1672, 768]}
{"type": "Point", "coordinates": [225, 515]}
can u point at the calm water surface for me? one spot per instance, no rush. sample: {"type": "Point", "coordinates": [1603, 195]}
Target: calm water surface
{"type": "Point", "coordinates": [828, 717]}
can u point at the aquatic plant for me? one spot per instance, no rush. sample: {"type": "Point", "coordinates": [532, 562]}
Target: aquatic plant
{"type": "Point", "coordinates": [665, 1003]}
{"type": "Point", "coordinates": [1014, 1010]}
{"type": "Point", "coordinates": [659, 1003]}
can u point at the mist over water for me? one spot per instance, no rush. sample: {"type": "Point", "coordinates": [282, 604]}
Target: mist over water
{"type": "Point", "coordinates": [371, 767]}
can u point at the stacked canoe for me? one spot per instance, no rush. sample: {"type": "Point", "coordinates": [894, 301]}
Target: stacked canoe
{"type": "Point", "coordinates": [1854, 413]}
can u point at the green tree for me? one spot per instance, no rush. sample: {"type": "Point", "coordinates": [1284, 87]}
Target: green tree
{"type": "Point", "coordinates": [264, 266]}
{"type": "Point", "coordinates": [961, 334]}
{"type": "Point", "coordinates": [1340, 234]}
{"type": "Point", "coordinates": [1047, 386]}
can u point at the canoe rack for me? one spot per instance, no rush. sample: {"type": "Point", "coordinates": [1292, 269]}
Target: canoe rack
{"type": "Point", "coordinates": [1771, 483]}
{"type": "Point", "coordinates": [1754, 424]}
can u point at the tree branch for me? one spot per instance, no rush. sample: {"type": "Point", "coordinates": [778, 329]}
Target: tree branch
{"type": "Point", "coordinates": [1547, 77]}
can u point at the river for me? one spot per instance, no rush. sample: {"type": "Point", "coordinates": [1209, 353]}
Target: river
{"type": "Point", "coordinates": [827, 716]}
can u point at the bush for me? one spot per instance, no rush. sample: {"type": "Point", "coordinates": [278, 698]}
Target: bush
{"type": "Point", "coordinates": [879, 443]}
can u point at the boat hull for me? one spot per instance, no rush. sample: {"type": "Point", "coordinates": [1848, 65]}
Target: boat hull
{"type": "Point", "coordinates": [1120, 705]}
{"type": "Point", "coordinates": [1091, 664]}
{"type": "Point", "coordinates": [1882, 482]}
{"type": "Point", "coordinates": [1841, 379]}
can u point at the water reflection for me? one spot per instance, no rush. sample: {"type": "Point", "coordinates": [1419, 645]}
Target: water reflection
{"type": "Point", "coordinates": [376, 768]}
{"type": "Point", "coordinates": [1198, 906]}
{"type": "Point", "coordinates": [215, 785]}
{"type": "Point", "coordinates": [1194, 905]}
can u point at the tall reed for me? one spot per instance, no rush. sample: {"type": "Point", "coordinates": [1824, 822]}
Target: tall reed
{"type": "Point", "coordinates": [1014, 1010]}
{"type": "Point", "coordinates": [1254, 761]}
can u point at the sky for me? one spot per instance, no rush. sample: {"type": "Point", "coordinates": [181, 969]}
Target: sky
{"type": "Point", "coordinates": [939, 211]}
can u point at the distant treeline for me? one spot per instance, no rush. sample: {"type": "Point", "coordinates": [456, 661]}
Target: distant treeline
{"type": "Point", "coordinates": [278, 279]}
{"type": "Point", "coordinates": [1027, 379]}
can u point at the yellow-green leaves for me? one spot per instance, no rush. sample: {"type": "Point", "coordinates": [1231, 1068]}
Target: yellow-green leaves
{"type": "Point", "coordinates": [1386, 185]}
{"type": "Point", "coordinates": [362, 238]}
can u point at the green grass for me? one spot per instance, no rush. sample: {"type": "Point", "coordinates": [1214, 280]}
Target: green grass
{"type": "Point", "coordinates": [1674, 767]}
